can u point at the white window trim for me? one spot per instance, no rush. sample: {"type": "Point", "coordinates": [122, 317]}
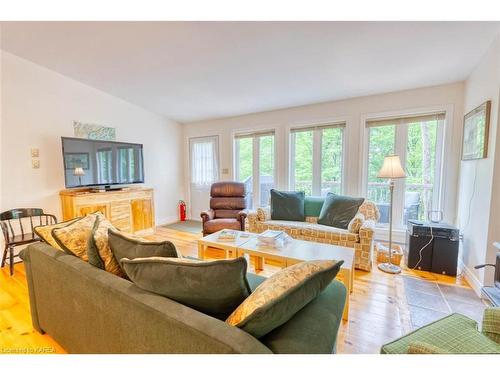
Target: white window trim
{"type": "Point", "coordinates": [317, 140]}
{"type": "Point", "coordinates": [382, 231]}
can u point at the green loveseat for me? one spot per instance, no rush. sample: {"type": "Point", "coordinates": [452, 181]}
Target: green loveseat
{"type": "Point", "coordinates": [88, 310]}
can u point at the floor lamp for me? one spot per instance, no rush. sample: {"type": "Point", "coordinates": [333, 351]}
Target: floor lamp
{"type": "Point", "coordinates": [391, 169]}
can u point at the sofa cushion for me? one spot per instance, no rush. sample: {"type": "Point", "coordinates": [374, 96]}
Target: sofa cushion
{"type": "Point", "coordinates": [215, 288]}
{"type": "Point", "coordinates": [216, 225]}
{"type": "Point", "coordinates": [131, 247]}
{"type": "Point", "coordinates": [99, 251]}
{"type": "Point", "coordinates": [287, 205]}
{"type": "Point", "coordinates": [254, 280]}
{"type": "Point", "coordinates": [423, 348]}
{"type": "Point", "coordinates": [297, 229]}
{"type": "Point", "coordinates": [324, 231]}
{"type": "Point", "coordinates": [73, 238]}
{"type": "Point", "coordinates": [313, 329]}
{"type": "Point", "coordinates": [339, 210]}
{"type": "Point", "coordinates": [313, 205]}
{"type": "Point", "coordinates": [282, 295]}
{"type": "Point", "coordinates": [45, 232]}
{"type": "Point", "coordinates": [454, 333]}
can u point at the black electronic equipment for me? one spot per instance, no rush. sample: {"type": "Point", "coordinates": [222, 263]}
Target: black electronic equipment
{"type": "Point", "coordinates": [432, 247]}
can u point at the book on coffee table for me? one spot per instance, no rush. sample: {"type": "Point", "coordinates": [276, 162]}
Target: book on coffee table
{"type": "Point", "coordinates": [228, 236]}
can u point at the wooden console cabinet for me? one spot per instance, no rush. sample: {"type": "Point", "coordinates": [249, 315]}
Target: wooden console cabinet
{"type": "Point", "coordinates": [130, 210]}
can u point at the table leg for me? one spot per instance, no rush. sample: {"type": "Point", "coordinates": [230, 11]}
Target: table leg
{"type": "Point", "coordinates": [352, 278]}
{"type": "Point", "coordinates": [201, 251]}
{"type": "Point", "coordinates": [258, 263]}
{"type": "Point", "coordinates": [346, 279]}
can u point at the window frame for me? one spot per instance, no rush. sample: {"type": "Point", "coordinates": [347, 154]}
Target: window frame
{"type": "Point", "coordinates": [400, 148]}
{"type": "Point", "coordinates": [255, 136]}
{"type": "Point", "coordinates": [317, 139]}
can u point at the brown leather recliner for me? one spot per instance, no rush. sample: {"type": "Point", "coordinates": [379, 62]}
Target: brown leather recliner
{"type": "Point", "coordinates": [227, 207]}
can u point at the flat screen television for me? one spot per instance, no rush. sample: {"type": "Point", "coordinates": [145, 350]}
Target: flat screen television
{"type": "Point", "coordinates": [89, 162]}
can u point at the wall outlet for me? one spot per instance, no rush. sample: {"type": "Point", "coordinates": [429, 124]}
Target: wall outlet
{"type": "Point", "coordinates": [35, 163]}
{"type": "Point", "coordinates": [225, 170]}
{"type": "Point", "coordinates": [35, 152]}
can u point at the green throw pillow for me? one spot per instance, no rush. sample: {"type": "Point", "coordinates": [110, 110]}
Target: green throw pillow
{"type": "Point", "coordinates": [282, 295]}
{"type": "Point", "coordinates": [287, 205]}
{"type": "Point", "coordinates": [127, 246]}
{"type": "Point", "coordinates": [215, 288]}
{"type": "Point", "coordinates": [339, 210]}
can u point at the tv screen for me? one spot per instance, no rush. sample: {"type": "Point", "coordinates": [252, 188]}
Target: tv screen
{"type": "Point", "coordinates": [90, 162]}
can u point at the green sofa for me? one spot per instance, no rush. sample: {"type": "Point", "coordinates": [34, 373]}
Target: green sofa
{"type": "Point", "coordinates": [88, 310]}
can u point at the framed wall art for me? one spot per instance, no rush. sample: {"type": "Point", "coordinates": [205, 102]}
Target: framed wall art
{"type": "Point", "coordinates": [476, 129]}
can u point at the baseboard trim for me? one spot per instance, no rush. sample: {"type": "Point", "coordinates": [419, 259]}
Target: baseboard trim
{"type": "Point", "coordinates": [471, 279]}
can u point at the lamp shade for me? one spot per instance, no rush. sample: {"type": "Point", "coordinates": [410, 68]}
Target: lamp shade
{"type": "Point", "coordinates": [392, 168]}
{"type": "Point", "coordinates": [78, 172]}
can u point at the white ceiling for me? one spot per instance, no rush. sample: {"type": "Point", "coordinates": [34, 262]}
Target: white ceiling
{"type": "Point", "coordinates": [190, 71]}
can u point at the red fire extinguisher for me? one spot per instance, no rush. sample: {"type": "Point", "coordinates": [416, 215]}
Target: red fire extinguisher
{"type": "Point", "coordinates": [182, 210]}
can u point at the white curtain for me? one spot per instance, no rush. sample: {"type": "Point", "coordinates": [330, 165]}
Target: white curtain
{"type": "Point", "coordinates": [204, 162]}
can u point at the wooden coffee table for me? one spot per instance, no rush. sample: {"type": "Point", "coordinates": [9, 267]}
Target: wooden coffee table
{"type": "Point", "coordinates": [230, 248]}
{"type": "Point", "coordinates": [295, 251]}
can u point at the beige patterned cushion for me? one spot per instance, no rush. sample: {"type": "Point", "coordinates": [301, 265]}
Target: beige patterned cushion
{"type": "Point", "coordinates": [278, 298]}
{"type": "Point", "coordinates": [284, 223]}
{"type": "Point", "coordinates": [370, 210]}
{"type": "Point", "coordinates": [356, 223]}
{"type": "Point", "coordinates": [327, 232]}
{"type": "Point", "coordinates": [263, 214]}
{"type": "Point", "coordinates": [45, 232]}
{"type": "Point", "coordinates": [73, 238]}
{"type": "Point", "coordinates": [100, 249]}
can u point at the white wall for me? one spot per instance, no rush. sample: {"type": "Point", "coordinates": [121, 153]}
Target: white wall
{"type": "Point", "coordinates": [478, 203]}
{"type": "Point", "coordinates": [353, 111]}
{"type": "Point", "coordinates": [39, 106]}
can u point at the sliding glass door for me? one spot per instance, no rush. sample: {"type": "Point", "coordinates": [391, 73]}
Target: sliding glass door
{"type": "Point", "coordinates": [316, 159]}
{"type": "Point", "coordinates": [419, 143]}
{"type": "Point", "coordinates": [254, 165]}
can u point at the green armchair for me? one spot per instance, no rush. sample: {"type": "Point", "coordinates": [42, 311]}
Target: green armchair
{"type": "Point", "coordinates": [453, 334]}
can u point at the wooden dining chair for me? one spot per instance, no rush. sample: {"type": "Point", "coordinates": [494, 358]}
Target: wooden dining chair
{"type": "Point", "coordinates": [16, 230]}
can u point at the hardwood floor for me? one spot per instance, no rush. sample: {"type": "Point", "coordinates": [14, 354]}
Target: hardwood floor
{"type": "Point", "coordinates": [378, 312]}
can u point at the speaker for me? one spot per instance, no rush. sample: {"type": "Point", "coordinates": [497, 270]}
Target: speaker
{"type": "Point", "coordinates": [412, 252]}
{"type": "Point", "coordinates": [445, 256]}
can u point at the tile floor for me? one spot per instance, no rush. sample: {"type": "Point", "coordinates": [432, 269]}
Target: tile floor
{"type": "Point", "coordinates": [429, 301]}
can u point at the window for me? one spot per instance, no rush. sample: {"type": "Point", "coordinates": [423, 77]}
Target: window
{"type": "Point", "coordinates": [254, 166]}
{"type": "Point", "coordinates": [419, 142]}
{"type": "Point", "coordinates": [317, 159]}
{"type": "Point", "coordinates": [105, 165]}
{"type": "Point", "coordinates": [204, 161]}
{"type": "Point", "coordinates": [126, 161]}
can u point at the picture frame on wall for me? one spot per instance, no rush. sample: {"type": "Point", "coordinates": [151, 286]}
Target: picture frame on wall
{"type": "Point", "coordinates": [76, 160]}
{"type": "Point", "coordinates": [476, 132]}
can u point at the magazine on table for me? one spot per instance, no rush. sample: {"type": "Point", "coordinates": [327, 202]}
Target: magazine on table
{"type": "Point", "coordinates": [273, 238]}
